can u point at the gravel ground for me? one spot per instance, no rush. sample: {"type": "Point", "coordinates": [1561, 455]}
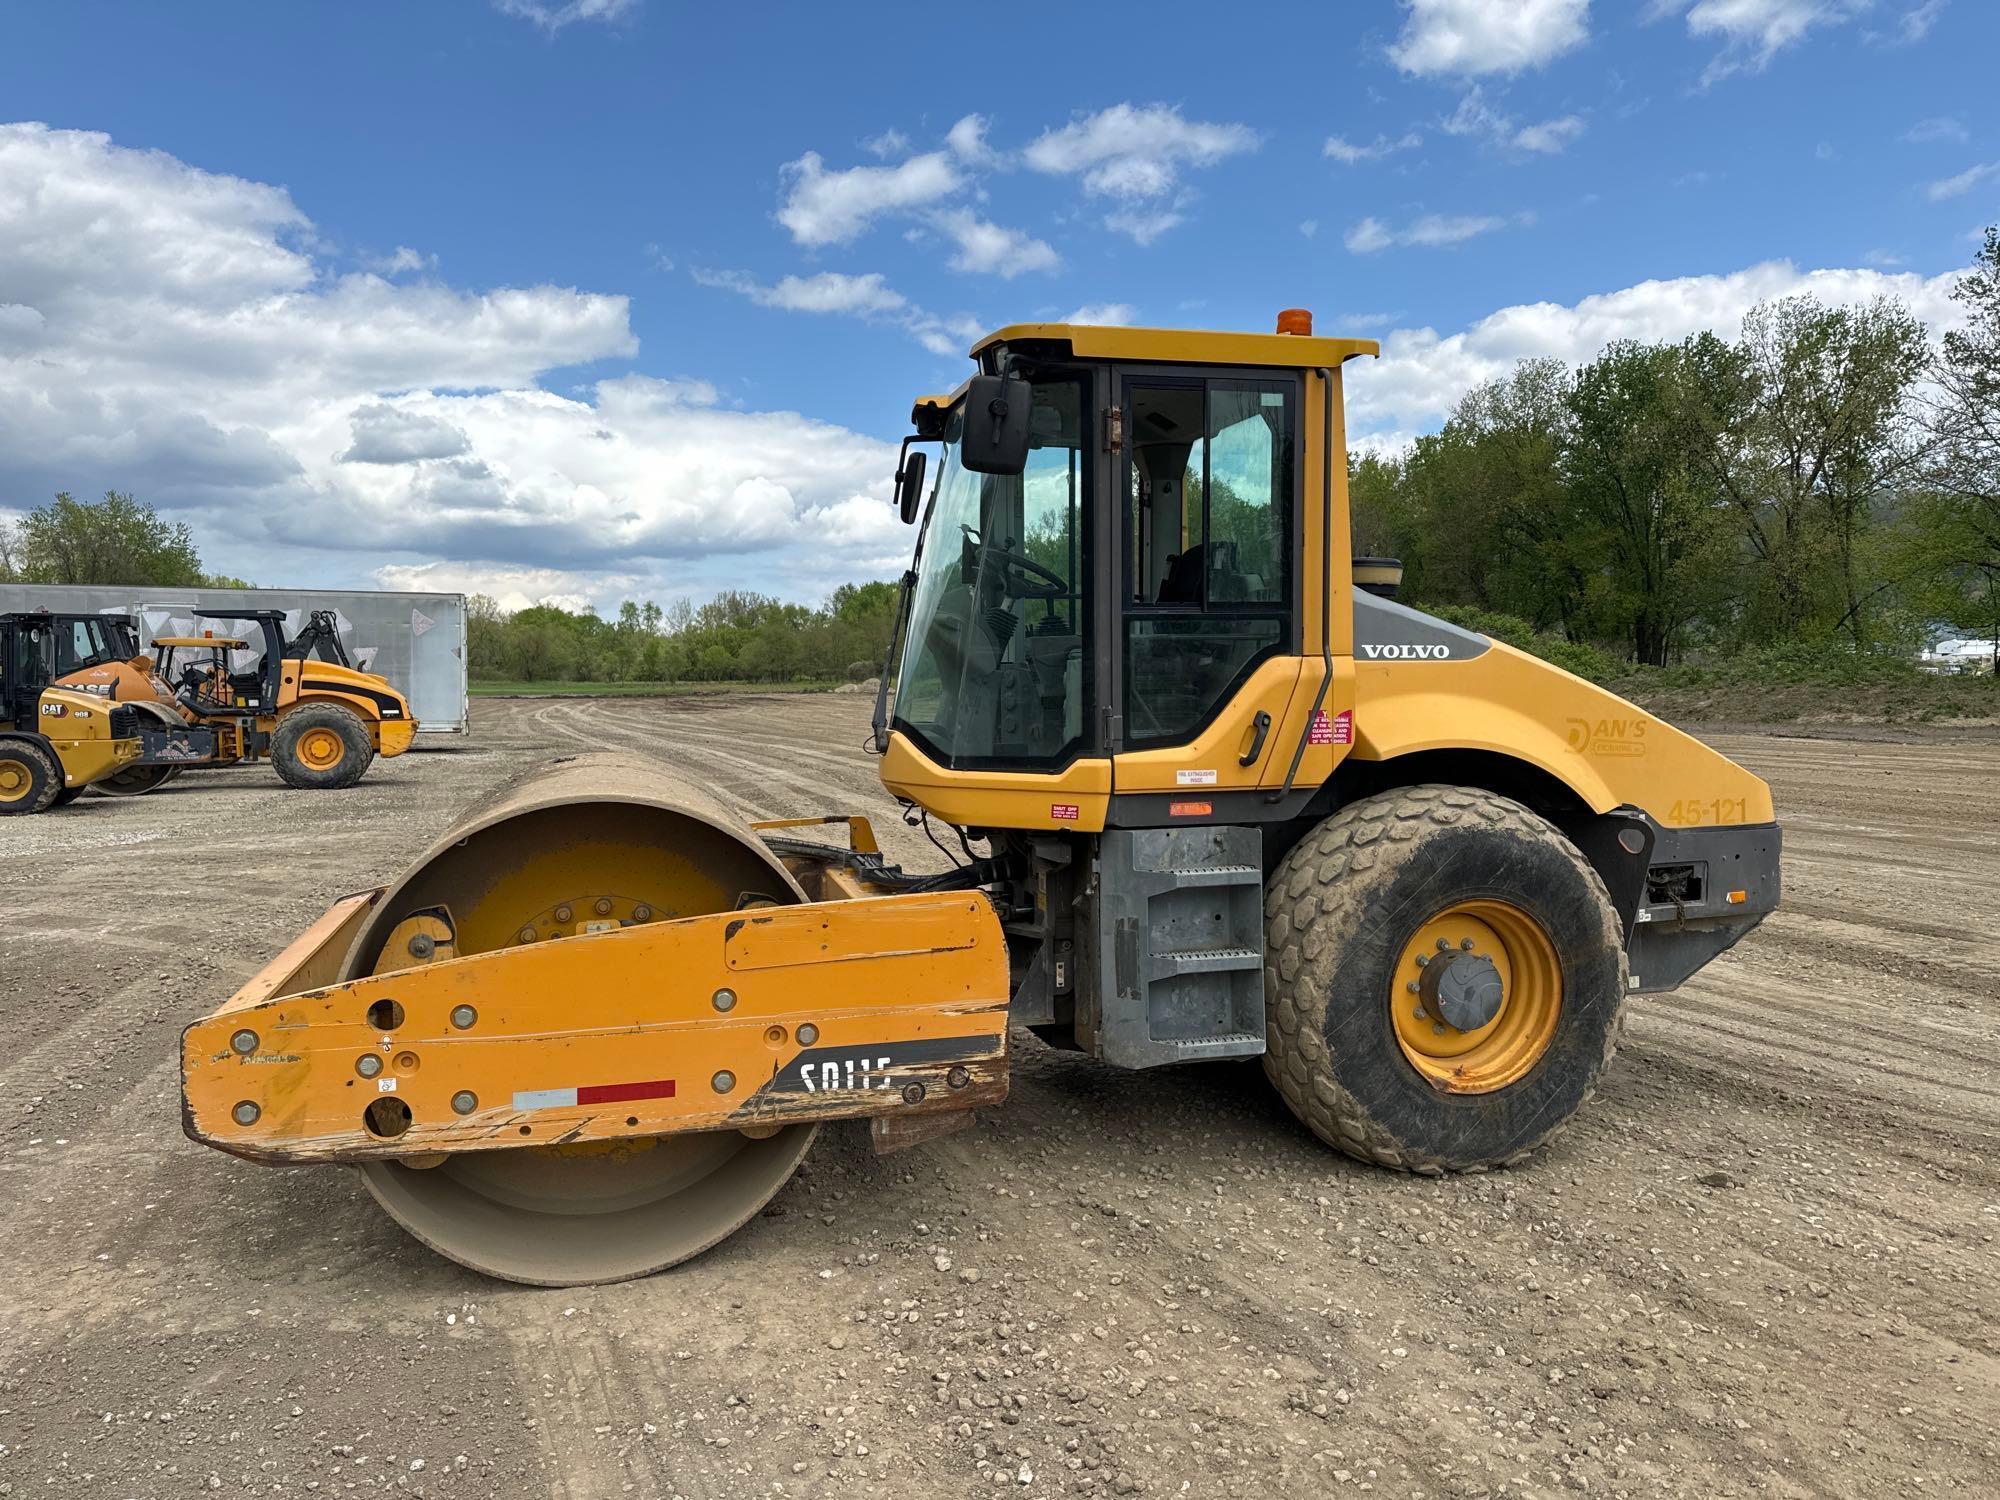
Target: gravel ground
{"type": "Point", "coordinates": [1762, 1262]}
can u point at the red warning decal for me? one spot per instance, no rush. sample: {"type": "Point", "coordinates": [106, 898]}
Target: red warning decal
{"type": "Point", "coordinates": [1190, 809]}
{"type": "Point", "coordinates": [1065, 812]}
{"type": "Point", "coordinates": [1337, 730]}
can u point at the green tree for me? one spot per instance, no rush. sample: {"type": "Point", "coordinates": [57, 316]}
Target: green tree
{"type": "Point", "coordinates": [116, 540]}
{"type": "Point", "coordinates": [1955, 532]}
{"type": "Point", "coordinates": [1826, 436]}
{"type": "Point", "coordinates": [1637, 494]}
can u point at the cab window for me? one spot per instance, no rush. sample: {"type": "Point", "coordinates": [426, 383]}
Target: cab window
{"type": "Point", "coordinates": [1209, 505]}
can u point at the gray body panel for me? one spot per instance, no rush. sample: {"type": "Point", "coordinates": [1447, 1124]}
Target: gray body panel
{"type": "Point", "coordinates": [417, 641]}
{"type": "Point", "coordinates": [1387, 631]}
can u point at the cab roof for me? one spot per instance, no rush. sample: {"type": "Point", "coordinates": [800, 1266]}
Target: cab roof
{"type": "Point", "coordinates": [1190, 346]}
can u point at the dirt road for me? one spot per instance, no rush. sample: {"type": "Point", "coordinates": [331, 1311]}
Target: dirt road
{"type": "Point", "coordinates": [1764, 1261]}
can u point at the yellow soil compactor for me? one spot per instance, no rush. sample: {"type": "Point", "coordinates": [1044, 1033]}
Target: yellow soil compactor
{"type": "Point", "coordinates": [1234, 800]}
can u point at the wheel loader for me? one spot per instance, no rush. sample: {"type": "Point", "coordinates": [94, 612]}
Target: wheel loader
{"type": "Point", "coordinates": [302, 704]}
{"type": "Point", "coordinates": [1221, 796]}
{"type": "Point", "coordinates": [55, 742]}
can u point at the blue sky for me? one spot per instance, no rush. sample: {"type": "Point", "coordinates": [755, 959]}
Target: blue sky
{"type": "Point", "coordinates": [622, 296]}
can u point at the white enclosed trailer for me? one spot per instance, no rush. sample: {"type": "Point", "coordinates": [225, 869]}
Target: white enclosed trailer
{"type": "Point", "coordinates": [417, 641]}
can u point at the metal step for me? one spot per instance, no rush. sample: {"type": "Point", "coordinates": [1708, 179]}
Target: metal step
{"type": "Point", "coordinates": [1213, 875]}
{"type": "Point", "coordinates": [1230, 1044]}
{"type": "Point", "coordinates": [1203, 961]}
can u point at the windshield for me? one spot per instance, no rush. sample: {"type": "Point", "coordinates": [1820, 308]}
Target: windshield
{"type": "Point", "coordinates": [87, 641]}
{"type": "Point", "coordinates": [993, 672]}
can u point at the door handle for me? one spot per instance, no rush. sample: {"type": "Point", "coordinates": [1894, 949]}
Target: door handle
{"type": "Point", "coordinates": [1259, 727]}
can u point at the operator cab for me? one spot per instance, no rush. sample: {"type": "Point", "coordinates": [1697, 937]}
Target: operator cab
{"type": "Point", "coordinates": [1113, 580]}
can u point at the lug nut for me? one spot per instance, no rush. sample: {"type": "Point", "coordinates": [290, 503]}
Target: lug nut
{"type": "Point", "coordinates": [464, 1102]}
{"type": "Point", "coordinates": [723, 1081]}
{"type": "Point", "coordinates": [462, 1016]}
{"type": "Point", "coordinates": [642, 913]}
{"type": "Point", "coordinates": [808, 1034]}
{"type": "Point", "coordinates": [1465, 944]}
{"type": "Point", "coordinates": [563, 913]}
{"type": "Point", "coordinates": [1415, 988]}
{"type": "Point", "coordinates": [725, 999]}
{"type": "Point", "coordinates": [603, 906]}
{"type": "Point", "coordinates": [368, 1064]}
{"type": "Point", "coordinates": [527, 934]}
{"type": "Point", "coordinates": [244, 1042]}
{"type": "Point", "coordinates": [245, 1113]}
{"type": "Point", "coordinates": [423, 945]}
{"type": "Point", "coordinates": [1444, 945]}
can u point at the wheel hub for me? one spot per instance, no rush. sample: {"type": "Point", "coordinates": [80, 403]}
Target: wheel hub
{"type": "Point", "coordinates": [14, 781]}
{"type": "Point", "coordinates": [1462, 989]}
{"type": "Point", "coordinates": [1476, 996]}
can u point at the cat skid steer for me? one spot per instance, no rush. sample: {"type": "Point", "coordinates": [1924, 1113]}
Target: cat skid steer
{"type": "Point", "coordinates": [1236, 801]}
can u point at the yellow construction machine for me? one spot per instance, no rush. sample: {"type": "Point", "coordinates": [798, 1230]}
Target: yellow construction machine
{"type": "Point", "coordinates": [1221, 796]}
{"type": "Point", "coordinates": [54, 742]}
{"type": "Point", "coordinates": [301, 703]}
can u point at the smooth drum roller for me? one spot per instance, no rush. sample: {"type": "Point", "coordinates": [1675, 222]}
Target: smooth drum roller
{"type": "Point", "coordinates": [591, 843]}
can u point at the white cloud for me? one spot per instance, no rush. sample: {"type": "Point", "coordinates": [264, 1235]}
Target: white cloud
{"type": "Point", "coordinates": [1104, 314]}
{"type": "Point", "coordinates": [167, 332]}
{"type": "Point", "coordinates": [1964, 182]}
{"type": "Point", "coordinates": [1944, 128]}
{"type": "Point", "coordinates": [1914, 24]}
{"type": "Point", "coordinates": [991, 249]}
{"type": "Point", "coordinates": [402, 259]}
{"type": "Point", "coordinates": [967, 141]}
{"type": "Point", "coordinates": [1467, 37]}
{"type": "Point", "coordinates": [1135, 153]}
{"type": "Point", "coordinates": [1551, 136]}
{"type": "Point", "coordinates": [1144, 224]}
{"type": "Point", "coordinates": [1431, 231]}
{"type": "Point", "coordinates": [553, 15]}
{"type": "Point", "coordinates": [1309, 228]}
{"type": "Point", "coordinates": [1474, 116]}
{"type": "Point", "coordinates": [834, 208]}
{"type": "Point", "coordinates": [1343, 150]}
{"type": "Point", "coordinates": [1752, 32]}
{"type": "Point", "coordinates": [868, 297]}
{"type": "Point", "coordinates": [891, 142]}
{"type": "Point", "coordinates": [1422, 374]}
{"type": "Point", "coordinates": [511, 588]}
{"type": "Point", "coordinates": [827, 292]}
{"type": "Point", "coordinates": [1883, 258]}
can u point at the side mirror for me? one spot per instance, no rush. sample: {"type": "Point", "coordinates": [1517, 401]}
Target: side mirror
{"type": "Point", "coordinates": [995, 437]}
{"type": "Point", "coordinates": [910, 486]}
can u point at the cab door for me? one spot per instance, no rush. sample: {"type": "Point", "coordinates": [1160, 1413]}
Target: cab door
{"type": "Point", "coordinates": [1209, 669]}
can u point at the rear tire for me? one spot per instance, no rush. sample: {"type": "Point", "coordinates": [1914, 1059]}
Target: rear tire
{"type": "Point", "coordinates": [29, 778]}
{"type": "Point", "coordinates": [1438, 873]}
{"type": "Point", "coordinates": [321, 746]}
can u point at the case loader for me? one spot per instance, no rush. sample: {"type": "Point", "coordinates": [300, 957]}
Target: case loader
{"type": "Point", "coordinates": [1221, 795]}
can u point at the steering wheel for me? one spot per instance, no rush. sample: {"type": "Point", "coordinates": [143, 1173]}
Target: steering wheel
{"type": "Point", "coordinates": [1022, 571]}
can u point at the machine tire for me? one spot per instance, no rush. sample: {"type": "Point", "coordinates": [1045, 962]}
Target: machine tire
{"type": "Point", "coordinates": [29, 778]}
{"type": "Point", "coordinates": [1342, 912]}
{"type": "Point", "coordinates": [67, 795]}
{"type": "Point", "coordinates": [303, 749]}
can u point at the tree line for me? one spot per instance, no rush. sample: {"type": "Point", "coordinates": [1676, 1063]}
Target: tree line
{"type": "Point", "coordinates": [1829, 479]}
{"type": "Point", "coordinates": [734, 637]}
{"type": "Point", "coordinates": [117, 540]}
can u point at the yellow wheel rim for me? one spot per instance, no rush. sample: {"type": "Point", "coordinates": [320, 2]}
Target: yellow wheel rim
{"type": "Point", "coordinates": [1503, 1050]}
{"type": "Point", "coordinates": [322, 749]}
{"type": "Point", "coordinates": [16, 780]}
